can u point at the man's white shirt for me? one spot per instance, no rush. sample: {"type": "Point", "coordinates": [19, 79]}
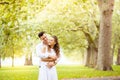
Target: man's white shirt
{"type": "Point", "coordinates": [39, 53]}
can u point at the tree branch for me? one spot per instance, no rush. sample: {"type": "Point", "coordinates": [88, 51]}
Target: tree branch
{"type": "Point", "coordinates": [87, 34]}
{"type": "Point", "coordinates": [4, 3]}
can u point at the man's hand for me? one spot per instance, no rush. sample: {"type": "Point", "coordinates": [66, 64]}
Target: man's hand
{"type": "Point", "coordinates": [53, 57]}
{"type": "Point", "coordinates": [50, 64]}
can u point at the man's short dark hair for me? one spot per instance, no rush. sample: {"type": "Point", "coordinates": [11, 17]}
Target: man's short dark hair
{"type": "Point", "coordinates": [41, 34]}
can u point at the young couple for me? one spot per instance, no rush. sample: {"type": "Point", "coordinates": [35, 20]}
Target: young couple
{"type": "Point", "coordinates": [49, 53]}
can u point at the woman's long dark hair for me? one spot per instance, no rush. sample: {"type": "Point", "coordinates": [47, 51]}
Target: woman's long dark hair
{"type": "Point", "coordinates": [56, 46]}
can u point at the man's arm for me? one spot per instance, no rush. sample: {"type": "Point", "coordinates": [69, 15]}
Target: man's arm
{"type": "Point", "coordinates": [41, 52]}
{"type": "Point", "coordinates": [47, 60]}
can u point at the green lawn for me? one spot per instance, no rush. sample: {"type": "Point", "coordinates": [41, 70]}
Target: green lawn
{"type": "Point", "coordinates": [31, 72]}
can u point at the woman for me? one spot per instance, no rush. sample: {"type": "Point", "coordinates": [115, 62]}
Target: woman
{"type": "Point", "coordinates": [48, 69]}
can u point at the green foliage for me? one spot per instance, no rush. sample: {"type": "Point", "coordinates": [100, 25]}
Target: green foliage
{"type": "Point", "coordinates": [116, 24]}
{"type": "Point", "coordinates": [67, 20]}
{"type": "Point", "coordinates": [116, 27]}
{"type": "Point", "coordinates": [21, 21]}
{"type": "Point", "coordinates": [14, 26]}
{"type": "Point", "coordinates": [10, 36]}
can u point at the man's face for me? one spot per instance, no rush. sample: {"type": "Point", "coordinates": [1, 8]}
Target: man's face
{"type": "Point", "coordinates": [44, 38]}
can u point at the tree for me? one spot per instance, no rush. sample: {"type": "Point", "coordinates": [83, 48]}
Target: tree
{"type": "Point", "coordinates": [104, 49]}
{"type": "Point", "coordinates": [116, 33]}
{"type": "Point", "coordinates": [73, 19]}
{"type": "Point", "coordinates": [118, 57]}
{"type": "Point", "coordinates": [10, 38]}
{"type": "Point", "coordinates": [0, 61]}
{"type": "Point", "coordinates": [14, 17]}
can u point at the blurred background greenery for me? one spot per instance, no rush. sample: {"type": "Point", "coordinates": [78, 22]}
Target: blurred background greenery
{"type": "Point", "coordinates": [75, 23]}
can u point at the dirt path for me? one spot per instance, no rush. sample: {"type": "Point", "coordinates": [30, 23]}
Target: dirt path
{"type": "Point", "coordinates": [104, 78]}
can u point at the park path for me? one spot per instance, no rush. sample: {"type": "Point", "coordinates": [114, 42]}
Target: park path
{"type": "Point", "coordinates": [103, 78]}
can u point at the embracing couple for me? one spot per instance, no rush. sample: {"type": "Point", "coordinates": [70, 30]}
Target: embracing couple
{"type": "Point", "coordinates": [49, 53]}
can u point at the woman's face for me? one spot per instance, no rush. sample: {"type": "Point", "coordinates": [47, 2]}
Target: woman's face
{"type": "Point", "coordinates": [51, 41]}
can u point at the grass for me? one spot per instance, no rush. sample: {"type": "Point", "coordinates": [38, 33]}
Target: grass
{"type": "Point", "coordinates": [64, 71]}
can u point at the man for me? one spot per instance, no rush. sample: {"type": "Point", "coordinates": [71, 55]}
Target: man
{"type": "Point", "coordinates": [42, 37]}
{"type": "Point", "coordinates": [41, 46]}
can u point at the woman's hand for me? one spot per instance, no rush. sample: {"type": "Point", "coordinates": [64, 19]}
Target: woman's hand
{"type": "Point", "coordinates": [50, 64]}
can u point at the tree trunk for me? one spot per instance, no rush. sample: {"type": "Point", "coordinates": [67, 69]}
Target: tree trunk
{"type": "Point", "coordinates": [13, 60]}
{"type": "Point", "coordinates": [94, 57]}
{"type": "Point", "coordinates": [118, 57]}
{"type": "Point", "coordinates": [112, 55]}
{"type": "Point", "coordinates": [31, 60]}
{"type": "Point", "coordinates": [87, 61]}
{"type": "Point", "coordinates": [0, 61]}
{"type": "Point", "coordinates": [92, 50]}
{"type": "Point", "coordinates": [28, 60]}
{"type": "Point", "coordinates": [104, 49]}
{"type": "Point", "coordinates": [91, 57]}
